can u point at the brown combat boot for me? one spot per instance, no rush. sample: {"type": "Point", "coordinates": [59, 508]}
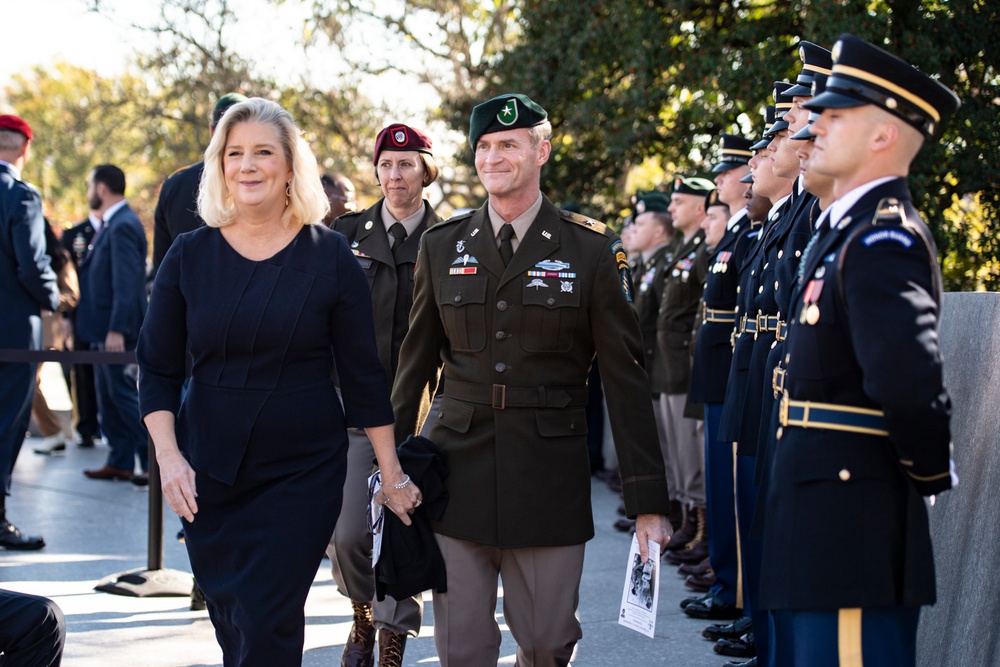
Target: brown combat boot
{"type": "Point", "coordinates": [360, 648]}
{"type": "Point", "coordinates": [696, 550]}
{"type": "Point", "coordinates": [681, 537]}
{"type": "Point", "coordinates": [390, 648]}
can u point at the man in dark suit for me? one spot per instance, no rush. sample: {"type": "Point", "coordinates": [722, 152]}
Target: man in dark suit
{"type": "Point", "coordinates": [27, 284]}
{"type": "Point", "coordinates": [77, 241]}
{"type": "Point", "coordinates": [112, 306]}
{"type": "Point", "coordinates": [864, 415]}
{"type": "Point", "coordinates": [513, 300]}
{"type": "Point", "coordinates": [177, 207]}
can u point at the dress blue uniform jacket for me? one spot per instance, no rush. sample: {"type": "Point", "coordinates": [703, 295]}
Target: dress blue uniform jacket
{"type": "Point", "coordinates": [27, 282]}
{"type": "Point", "coordinates": [713, 351]}
{"type": "Point", "coordinates": [113, 280]}
{"type": "Point", "coordinates": [846, 524]}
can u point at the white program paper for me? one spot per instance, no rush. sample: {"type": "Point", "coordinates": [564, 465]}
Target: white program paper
{"type": "Point", "coordinates": [641, 592]}
{"type": "Point", "coordinates": [376, 518]}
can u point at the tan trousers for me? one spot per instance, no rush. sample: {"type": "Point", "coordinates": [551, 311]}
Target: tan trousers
{"type": "Point", "coordinates": [541, 591]}
{"type": "Point", "coordinates": [685, 451]}
{"type": "Point", "coordinates": [350, 549]}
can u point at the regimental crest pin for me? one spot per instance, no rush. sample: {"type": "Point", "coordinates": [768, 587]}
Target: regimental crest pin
{"type": "Point", "coordinates": [508, 113]}
{"type": "Point", "coordinates": [400, 136]}
{"type": "Point", "coordinates": [460, 246]}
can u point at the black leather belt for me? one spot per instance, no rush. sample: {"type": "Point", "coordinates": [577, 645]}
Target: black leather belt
{"type": "Point", "coordinates": [833, 417]}
{"type": "Point", "coordinates": [501, 396]}
{"type": "Point", "coordinates": [718, 315]}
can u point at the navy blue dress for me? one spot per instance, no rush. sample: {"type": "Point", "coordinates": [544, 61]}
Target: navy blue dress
{"type": "Point", "coordinates": [260, 422]}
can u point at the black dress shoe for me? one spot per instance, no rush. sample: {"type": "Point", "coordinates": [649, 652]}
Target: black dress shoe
{"type": "Point", "coordinates": [141, 479]}
{"type": "Point", "coordinates": [752, 662]}
{"type": "Point", "coordinates": [700, 599]}
{"type": "Point", "coordinates": [12, 539]}
{"type": "Point", "coordinates": [713, 609]}
{"type": "Point", "coordinates": [736, 648]}
{"type": "Point", "coordinates": [733, 630]}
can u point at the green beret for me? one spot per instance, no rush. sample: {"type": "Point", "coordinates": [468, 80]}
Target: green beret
{"type": "Point", "coordinates": [504, 112]}
{"type": "Point", "coordinates": [652, 201]}
{"type": "Point", "coordinates": [693, 186]}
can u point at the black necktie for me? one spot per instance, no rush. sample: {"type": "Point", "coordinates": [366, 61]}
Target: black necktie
{"type": "Point", "coordinates": [506, 247]}
{"type": "Point", "coordinates": [398, 233]}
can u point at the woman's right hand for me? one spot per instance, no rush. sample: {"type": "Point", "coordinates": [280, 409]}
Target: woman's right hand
{"type": "Point", "coordinates": [177, 481]}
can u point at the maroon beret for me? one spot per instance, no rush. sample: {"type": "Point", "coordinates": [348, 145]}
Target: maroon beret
{"type": "Point", "coordinates": [17, 124]}
{"type": "Point", "coordinates": [399, 137]}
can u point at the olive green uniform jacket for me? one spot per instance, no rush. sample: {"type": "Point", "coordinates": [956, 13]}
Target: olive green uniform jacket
{"type": "Point", "coordinates": [516, 345]}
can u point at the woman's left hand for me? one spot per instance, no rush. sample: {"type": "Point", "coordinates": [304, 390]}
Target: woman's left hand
{"type": "Point", "coordinates": [403, 502]}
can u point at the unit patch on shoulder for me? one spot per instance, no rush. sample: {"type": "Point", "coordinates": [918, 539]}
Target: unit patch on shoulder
{"type": "Point", "coordinates": [894, 235]}
{"type": "Point", "coordinates": [621, 259]}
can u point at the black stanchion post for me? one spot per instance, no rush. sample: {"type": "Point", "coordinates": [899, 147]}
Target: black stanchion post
{"type": "Point", "coordinates": [155, 558]}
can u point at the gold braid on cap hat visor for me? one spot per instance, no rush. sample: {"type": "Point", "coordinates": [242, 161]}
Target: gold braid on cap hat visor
{"type": "Point", "coordinates": [736, 151]}
{"type": "Point", "coordinates": [888, 85]}
{"type": "Point", "coordinates": [816, 68]}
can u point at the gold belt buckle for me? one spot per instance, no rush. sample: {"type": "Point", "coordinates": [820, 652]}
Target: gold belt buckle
{"type": "Point", "coordinates": [778, 380]}
{"type": "Point", "coordinates": [500, 392]}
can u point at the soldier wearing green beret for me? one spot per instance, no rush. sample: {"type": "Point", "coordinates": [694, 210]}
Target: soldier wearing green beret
{"type": "Point", "coordinates": [511, 303]}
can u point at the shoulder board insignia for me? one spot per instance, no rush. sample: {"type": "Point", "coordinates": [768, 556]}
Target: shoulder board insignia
{"type": "Point", "coordinates": [583, 221]}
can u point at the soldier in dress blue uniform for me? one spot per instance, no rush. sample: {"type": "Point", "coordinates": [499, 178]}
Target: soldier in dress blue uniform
{"type": "Point", "coordinates": [27, 286]}
{"type": "Point", "coordinates": [713, 356]}
{"type": "Point", "coordinates": [864, 416]}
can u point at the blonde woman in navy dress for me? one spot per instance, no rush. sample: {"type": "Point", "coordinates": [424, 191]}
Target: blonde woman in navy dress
{"type": "Point", "coordinates": [254, 456]}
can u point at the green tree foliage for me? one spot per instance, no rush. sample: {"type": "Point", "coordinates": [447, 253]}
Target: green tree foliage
{"type": "Point", "coordinates": [446, 48]}
{"type": "Point", "coordinates": [154, 118]}
{"type": "Point", "coordinates": [630, 79]}
{"type": "Point", "coordinates": [80, 120]}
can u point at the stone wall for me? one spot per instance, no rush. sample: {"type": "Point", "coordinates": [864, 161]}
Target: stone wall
{"type": "Point", "coordinates": [959, 630]}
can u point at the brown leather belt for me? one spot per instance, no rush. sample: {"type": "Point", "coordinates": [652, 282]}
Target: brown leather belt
{"type": "Point", "coordinates": [501, 396]}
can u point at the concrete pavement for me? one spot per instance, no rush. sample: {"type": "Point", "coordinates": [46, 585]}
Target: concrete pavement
{"type": "Point", "coordinates": [96, 528]}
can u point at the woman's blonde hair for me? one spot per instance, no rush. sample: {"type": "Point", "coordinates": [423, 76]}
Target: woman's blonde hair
{"type": "Point", "coordinates": [307, 202]}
